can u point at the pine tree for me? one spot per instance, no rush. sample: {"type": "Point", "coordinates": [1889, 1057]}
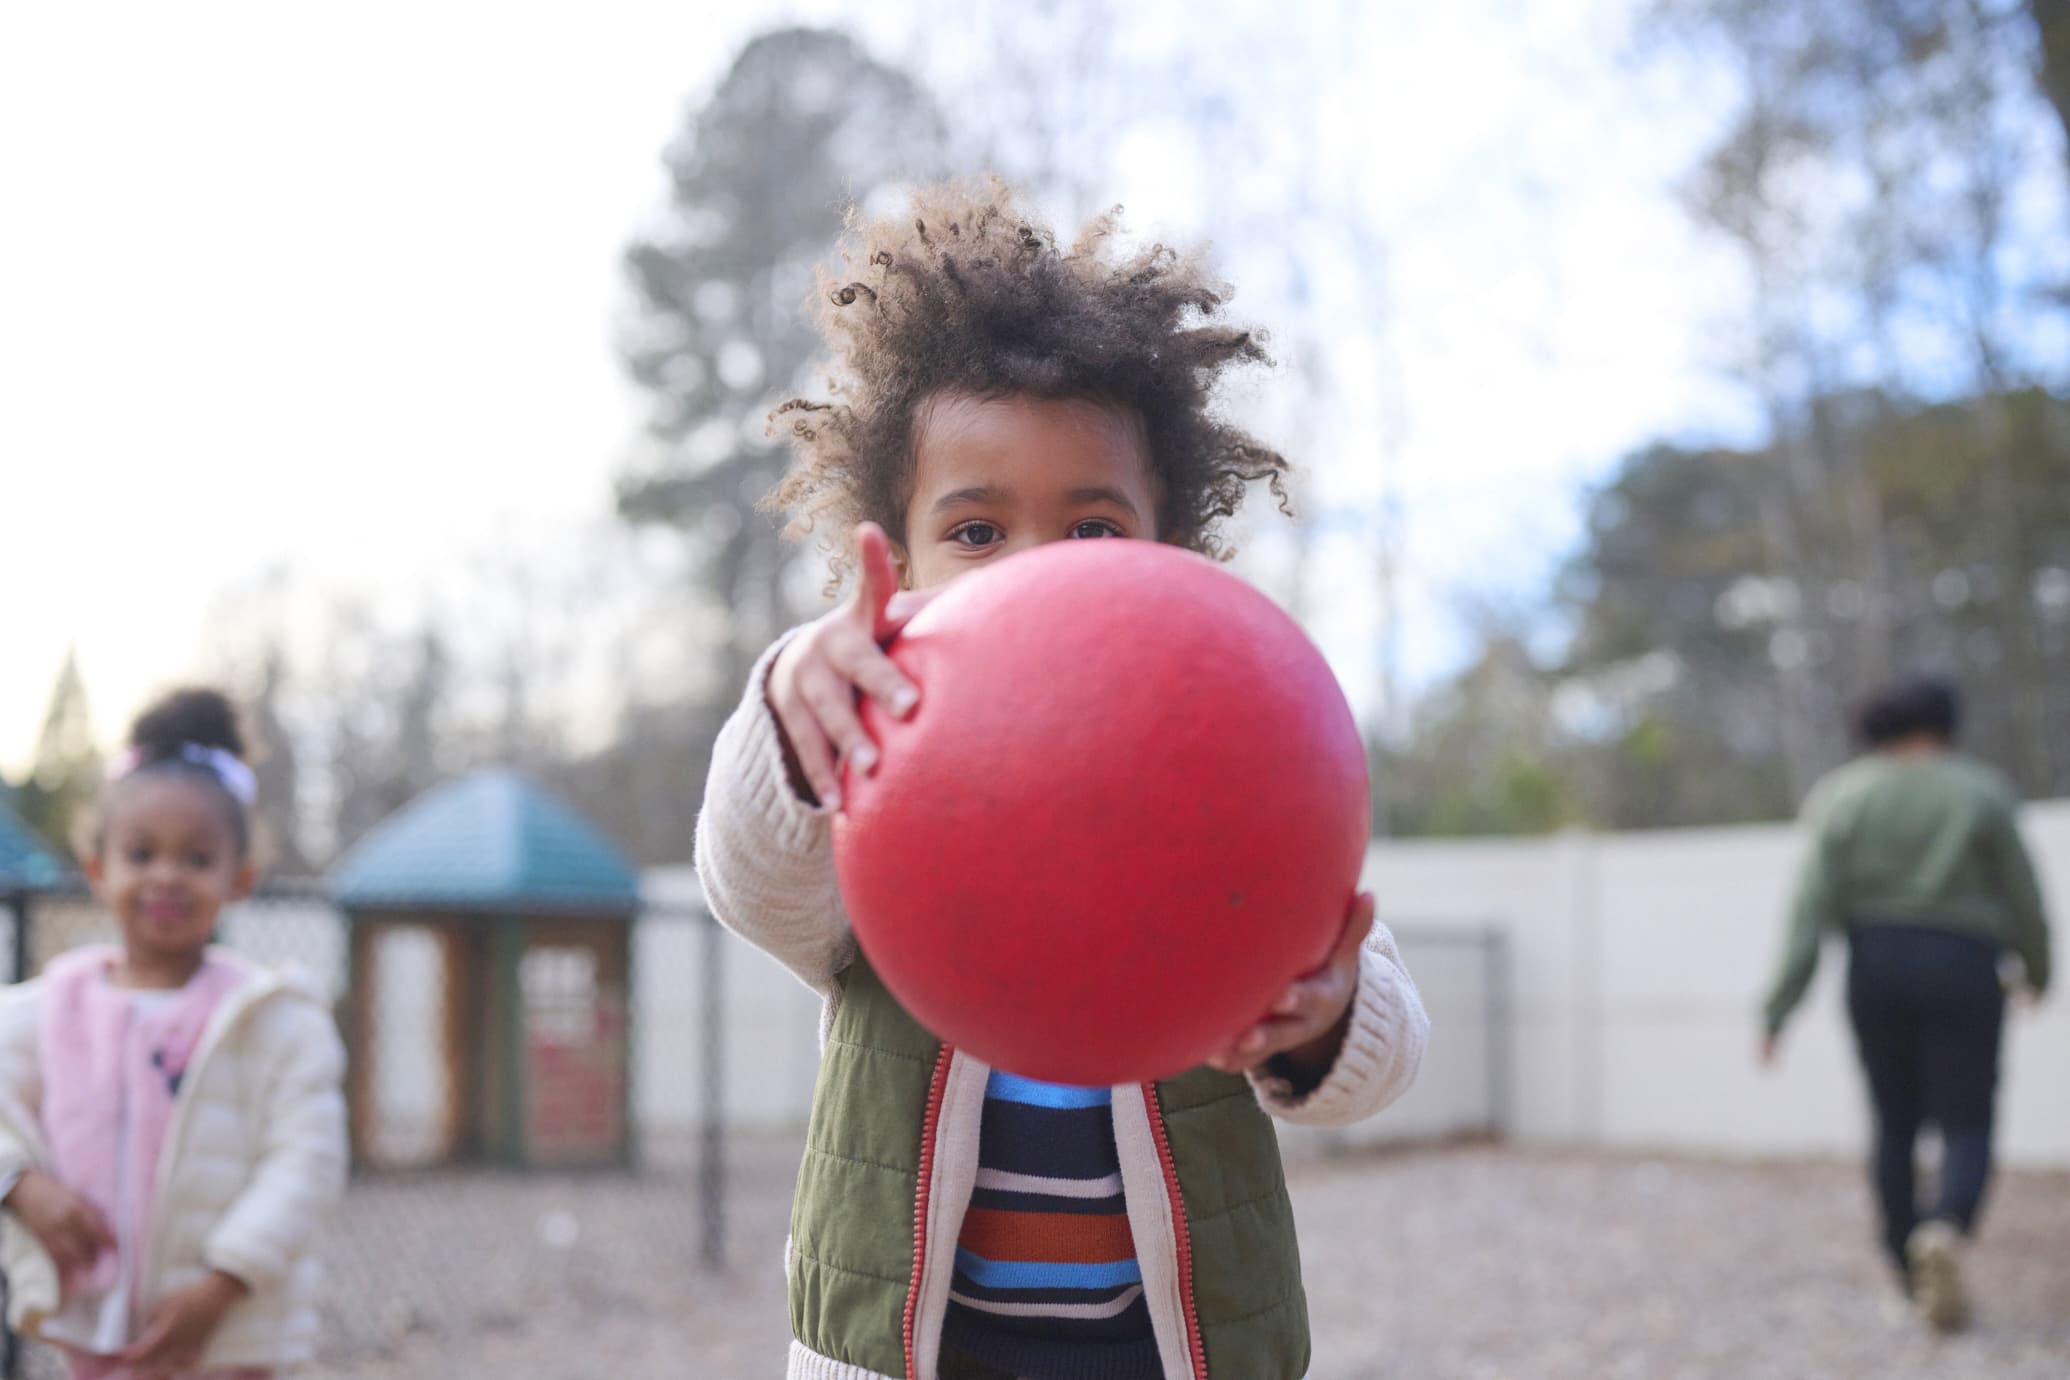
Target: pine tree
{"type": "Point", "coordinates": [66, 770]}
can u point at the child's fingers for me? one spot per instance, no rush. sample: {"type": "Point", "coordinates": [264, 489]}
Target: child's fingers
{"type": "Point", "coordinates": [1323, 987]}
{"type": "Point", "coordinates": [1253, 1047]}
{"type": "Point", "coordinates": [831, 698]}
{"type": "Point", "coordinates": [142, 1354]}
{"type": "Point", "coordinates": [1314, 1001]}
{"type": "Point", "coordinates": [1322, 990]}
{"type": "Point", "coordinates": [901, 610]}
{"type": "Point", "coordinates": [81, 1236]}
{"type": "Point", "coordinates": [1358, 923]}
{"type": "Point", "coordinates": [808, 742]}
{"type": "Point", "coordinates": [877, 578]}
{"type": "Point", "coordinates": [98, 1233]}
{"type": "Point", "coordinates": [1229, 1059]}
{"type": "Point", "coordinates": [72, 1249]}
{"type": "Point", "coordinates": [877, 676]}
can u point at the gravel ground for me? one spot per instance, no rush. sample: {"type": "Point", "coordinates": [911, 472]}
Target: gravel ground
{"type": "Point", "coordinates": [1433, 1264]}
{"type": "Point", "coordinates": [1532, 1266]}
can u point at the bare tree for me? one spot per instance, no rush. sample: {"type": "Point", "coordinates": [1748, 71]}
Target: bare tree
{"type": "Point", "coordinates": [803, 125]}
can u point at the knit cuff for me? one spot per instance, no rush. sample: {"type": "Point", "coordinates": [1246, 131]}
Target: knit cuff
{"type": "Point", "coordinates": [803, 1363]}
{"type": "Point", "coordinates": [796, 825]}
{"type": "Point", "coordinates": [1383, 1046]}
{"type": "Point", "coordinates": [247, 1267]}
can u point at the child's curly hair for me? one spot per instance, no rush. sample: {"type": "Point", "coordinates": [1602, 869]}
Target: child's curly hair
{"type": "Point", "coordinates": [159, 740]}
{"type": "Point", "coordinates": [971, 295]}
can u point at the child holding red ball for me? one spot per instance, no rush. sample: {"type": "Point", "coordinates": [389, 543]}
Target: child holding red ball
{"type": "Point", "coordinates": [994, 392]}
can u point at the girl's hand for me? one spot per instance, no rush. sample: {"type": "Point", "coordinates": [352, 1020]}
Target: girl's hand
{"type": "Point", "coordinates": [68, 1226]}
{"type": "Point", "coordinates": [813, 685]}
{"type": "Point", "coordinates": [180, 1326]}
{"type": "Point", "coordinates": [1308, 1022]}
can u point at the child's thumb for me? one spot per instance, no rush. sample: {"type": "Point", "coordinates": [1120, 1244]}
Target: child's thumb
{"type": "Point", "coordinates": [138, 1352]}
{"type": "Point", "coordinates": [98, 1230]}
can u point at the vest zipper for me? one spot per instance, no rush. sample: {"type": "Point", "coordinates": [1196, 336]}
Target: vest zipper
{"type": "Point", "coordinates": [1181, 1234]}
{"type": "Point", "coordinates": [929, 1126]}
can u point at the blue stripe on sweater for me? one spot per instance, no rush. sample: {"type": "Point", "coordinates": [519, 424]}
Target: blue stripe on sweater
{"type": "Point", "coordinates": [1013, 1088]}
{"type": "Point", "coordinates": [1029, 1274]}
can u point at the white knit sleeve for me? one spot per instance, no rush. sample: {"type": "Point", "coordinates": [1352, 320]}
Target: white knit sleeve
{"type": "Point", "coordinates": [764, 855]}
{"type": "Point", "coordinates": [1382, 1048]}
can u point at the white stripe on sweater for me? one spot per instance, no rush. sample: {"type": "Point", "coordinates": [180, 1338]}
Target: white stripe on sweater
{"type": "Point", "coordinates": [1114, 1307]}
{"type": "Point", "coordinates": [1005, 1181]}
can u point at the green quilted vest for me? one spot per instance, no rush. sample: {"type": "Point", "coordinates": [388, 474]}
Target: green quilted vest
{"type": "Point", "coordinates": [853, 1219]}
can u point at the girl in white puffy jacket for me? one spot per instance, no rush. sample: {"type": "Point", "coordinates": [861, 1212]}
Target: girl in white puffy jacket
{"type": "Point", "coordinates": [172, 1126]}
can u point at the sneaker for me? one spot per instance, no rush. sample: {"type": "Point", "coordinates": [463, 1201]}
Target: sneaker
{"type": "Point", "coordinates": [1935, 1250]}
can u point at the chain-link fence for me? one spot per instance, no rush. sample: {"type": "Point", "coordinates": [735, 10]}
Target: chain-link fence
{"type": "Point", "coordinates": [452, 1258]}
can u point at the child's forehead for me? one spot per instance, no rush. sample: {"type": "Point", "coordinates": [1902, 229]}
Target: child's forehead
{"type": "Point", "coordinates": [960, 439]}
{"type": "Point", "coordinates": [952, 415]}
{"type": "Point", "coordinates": [163, 803]}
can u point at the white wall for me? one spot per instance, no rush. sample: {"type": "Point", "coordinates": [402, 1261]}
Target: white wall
{"type": "Point", "coordinates": [1634, 966]}
{"type": "Point", "coordinates": [1459, 1088]}
{"type": "Point", "coordinates": [1637, 966]}
{"type": "Point", "coordinates": [771, 1031]}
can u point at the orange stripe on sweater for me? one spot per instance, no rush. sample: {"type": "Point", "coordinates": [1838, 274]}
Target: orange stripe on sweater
{"type": "Point", "coordinates": [1057, 1238]}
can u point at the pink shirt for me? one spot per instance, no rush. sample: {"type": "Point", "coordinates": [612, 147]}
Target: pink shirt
{"type": "Point", "coordinates": [113, 1060]}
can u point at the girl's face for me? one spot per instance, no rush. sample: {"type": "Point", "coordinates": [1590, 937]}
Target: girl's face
{"type": "Point", "coordinates": [168, 864]}
{"type": "Point", "coordinates": [992, 476]}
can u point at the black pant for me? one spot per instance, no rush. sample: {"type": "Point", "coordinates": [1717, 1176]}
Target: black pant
{"type": "Point", "coordinates": [1927, 1008]}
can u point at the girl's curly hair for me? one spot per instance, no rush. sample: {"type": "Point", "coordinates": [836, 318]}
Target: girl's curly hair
{"type": "Point", "coordinates": [195, 717]}
{"type": "Point", "coordinates": [971, 295]}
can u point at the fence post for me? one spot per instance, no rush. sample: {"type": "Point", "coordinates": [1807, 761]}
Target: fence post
{"type": "Point", "coordinates": [712, 1103]}
{"type": "Point", "coordinates": [1496, 951]}
{"type": "Point", "coordinates": [20, 902]}
{"type": "Point", "coordinates": [11, 1345]}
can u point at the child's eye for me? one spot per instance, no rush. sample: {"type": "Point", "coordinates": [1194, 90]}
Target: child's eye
{"type": "Point", "coordinates": [200, 860]}
{"type": "Point", "coordinates": [138, 856]}
{"type": "Point", "coordinates": [975, 534]}
{"type": "Point", "coordinates": [1096, 527]}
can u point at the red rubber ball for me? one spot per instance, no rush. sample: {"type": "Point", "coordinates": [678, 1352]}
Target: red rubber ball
{"type": "Point", "coordinates": [1130, 807]}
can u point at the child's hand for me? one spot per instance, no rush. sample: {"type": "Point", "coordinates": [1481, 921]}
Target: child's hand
{"type": "Point", "coordinates": [1308, 1022]}
{"type": "Point", "coordinates": [812, 686]}
{"type": "Point", "coordinates": [68, 1226]}
{"type": "Point", "coordinates": [180, 1326]}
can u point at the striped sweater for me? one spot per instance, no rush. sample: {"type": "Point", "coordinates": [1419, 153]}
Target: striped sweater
{"type": "Point", "coordinates": [1047, 1284]}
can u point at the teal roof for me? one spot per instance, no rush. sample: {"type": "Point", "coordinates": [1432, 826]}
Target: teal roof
{"type": "Point", "coordinates": [490, 842]}
{"type": "Point", "coordinates": [25, 860]}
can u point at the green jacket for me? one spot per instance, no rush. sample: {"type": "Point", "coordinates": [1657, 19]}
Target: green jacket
{"type": "Point", "coordinates": [1928, 841]}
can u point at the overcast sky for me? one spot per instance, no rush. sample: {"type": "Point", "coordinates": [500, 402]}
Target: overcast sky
{"type": "Point", "coordinates": [334, 287]}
